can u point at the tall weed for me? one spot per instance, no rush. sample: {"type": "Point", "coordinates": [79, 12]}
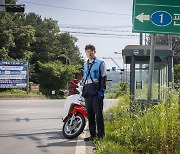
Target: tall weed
{"type": "Point", "coordinates": [155, 131]}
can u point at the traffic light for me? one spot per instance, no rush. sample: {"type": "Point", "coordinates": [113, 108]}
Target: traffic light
{"type": "Point", "coordinates": [14, 8]}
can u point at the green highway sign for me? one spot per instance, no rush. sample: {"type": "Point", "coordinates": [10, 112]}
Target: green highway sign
{"type": "Point", "coordinates": [156, 16]}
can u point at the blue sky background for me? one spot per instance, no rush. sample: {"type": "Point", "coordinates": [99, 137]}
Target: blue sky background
{"type": "Point", "coordinates": [116, 19]}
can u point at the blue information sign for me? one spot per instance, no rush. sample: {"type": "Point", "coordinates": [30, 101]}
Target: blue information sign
{"type": "Point", "coordinates": [13, 74]}
{"type": "Point", "coordinates": [16, 63]}
{"type": "Point", "coordinates": [113, 68]}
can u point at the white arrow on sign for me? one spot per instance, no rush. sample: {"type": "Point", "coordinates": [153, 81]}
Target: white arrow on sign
{"type": "Point", "coordinates": [141, 17]}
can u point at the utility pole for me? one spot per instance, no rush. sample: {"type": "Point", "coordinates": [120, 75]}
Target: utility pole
{"type": "Point", "coordinates": [2, 8]}
{"type": "Point", "coordinates": [140, 65]}
{"type": "Point", "coordinates": [141, 39]}
{"type": "Point", "coordinates": [170, 41]}
{"type": "Point", "coordinates": [151, 68]}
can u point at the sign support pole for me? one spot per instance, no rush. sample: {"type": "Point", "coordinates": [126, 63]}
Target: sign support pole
{"type": "Point", "coordinates": [151, 68]}
{"type": "Point", "coordinates": [2, 8]}
{"type": "Point", "coordinates": [27, 89]}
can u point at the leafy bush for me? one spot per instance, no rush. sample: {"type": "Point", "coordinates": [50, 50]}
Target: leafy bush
{"type": "Point", "coordinates": [119, 91]}
{"type": "Point", "coordinates": [110, 95]}
{"type": "Point", "coordinates": [19, 92]}
{"type": "Point", "coordinates": [13, 92]}
{"type": "Point", "coordinates": [155, 131]}
{"type": "Point", "coordinates": [56, 76]}
{"type": "Point", "coordinates": [177, 73]}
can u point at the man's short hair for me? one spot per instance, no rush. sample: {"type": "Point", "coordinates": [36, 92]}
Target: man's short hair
{"type": "Point", "coordinates": [90, 46]}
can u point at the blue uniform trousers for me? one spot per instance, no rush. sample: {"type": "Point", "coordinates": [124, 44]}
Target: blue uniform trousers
{"type": "Point", "coordinates": [94, 107]}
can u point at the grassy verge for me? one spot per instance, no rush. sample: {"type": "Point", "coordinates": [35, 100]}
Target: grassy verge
{"type": "Point", "coordinates": [156, 131]}
{"type": "Point", "coordinates": [118, 91]}
{"type": "Point", "coordinates": [19, 92]}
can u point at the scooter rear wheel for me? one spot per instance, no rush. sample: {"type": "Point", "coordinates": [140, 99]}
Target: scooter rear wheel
{"type": "Point", "coordinates": [76, 128]}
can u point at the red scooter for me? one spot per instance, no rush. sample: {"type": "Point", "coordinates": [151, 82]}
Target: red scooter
{"type": "Point", "coordinates": [75, 115]}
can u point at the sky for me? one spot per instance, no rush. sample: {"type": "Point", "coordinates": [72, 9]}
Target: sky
{"type": "Point", "coordinates": [105, 24]}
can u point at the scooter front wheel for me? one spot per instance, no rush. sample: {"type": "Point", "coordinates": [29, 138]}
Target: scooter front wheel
{"type": "Point", "coordinates": [73, 126]}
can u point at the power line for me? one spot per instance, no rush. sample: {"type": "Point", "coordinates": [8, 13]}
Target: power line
{"type": "Point", "coordinates": [89, 28]}
{"type": "Point", "coordinates": [100, 36]}
{"type": "Point", "coordinates": [103, 34]}
{"type": "Point", "coordinates": [112, 13]}
{"type": "Point", "coordinates": [87, 35]}
{"type": "Point", "coordinates": [98, 26]}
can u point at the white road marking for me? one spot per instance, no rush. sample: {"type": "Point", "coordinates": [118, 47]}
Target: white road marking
{"type": "Point", "coordinates": [80, 146]}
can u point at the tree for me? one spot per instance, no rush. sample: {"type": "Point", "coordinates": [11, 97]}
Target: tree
{"type": "Point", "coordinates": [6, 31]}
{"type": "Point", "coordinates": [29, 37]}
{"type": "Point", "coordinates": [177, 73]}
{"type": "Point", "coordinates": [54, 76]}
{"type": "Point", "coordinates": [69, 52]}
{"type": "Point", "coordinates": [15, 39]}
{"type": "Point", "coordinates": [10, 1]}
{"type": "Point", "coordinates": [163, 39]}
{"type": "Point", "coordinates": [24, 36]}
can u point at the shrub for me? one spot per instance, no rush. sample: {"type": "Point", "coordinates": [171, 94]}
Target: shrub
{"type": "Point", "coordinates": [119, 91]}
{"type": "Point", "coordinates": [155, 131]}
{"type": "Point", "coordinates": [13, 91]}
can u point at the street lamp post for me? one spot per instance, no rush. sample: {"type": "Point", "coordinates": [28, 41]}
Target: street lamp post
{"type": "Point", "coordinates": [123, 65]}
{"type": "Point", "coordinates": [123, 69]}
{"type": "Point", "coordinates": [117, 52]}
{"type": "Point", "coordinates": [113, 61]}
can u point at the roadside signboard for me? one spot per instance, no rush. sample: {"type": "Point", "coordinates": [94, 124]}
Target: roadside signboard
{"type": "Point", "coordinates": [156, 16]}
{"type": "Point", "coordinates": [113, 68]}
{"type": "Point", "coordinates": [13, 74]}
{"type": "Point", "coordinates": [34, 87]}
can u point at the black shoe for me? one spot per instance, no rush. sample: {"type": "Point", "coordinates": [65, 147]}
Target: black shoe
{"type": "Point", "coordinates": [89, 138]}
{"type": "Point", "coordinates": [100, 137]}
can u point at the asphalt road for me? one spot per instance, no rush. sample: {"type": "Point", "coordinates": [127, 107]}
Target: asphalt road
{"type": "Point", "coordinates": [35, 127]}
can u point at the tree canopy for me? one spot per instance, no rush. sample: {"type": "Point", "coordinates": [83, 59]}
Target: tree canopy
{"type": "Point", "coordinates": [53, 56]}
{"type": "Point", "coordinates": [164, 39]}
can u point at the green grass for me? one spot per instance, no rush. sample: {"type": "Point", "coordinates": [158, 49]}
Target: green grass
{"type": "Point", "coordinates": [142, 93]}
{"type": "Point", "coordinates": [13, 92]}
{"type": "Point", "coordinates": [155, 131]}
{"type": "Point", "coordinates": [19, 92]}
{"type": "Point", "coordinates": [118, 91]}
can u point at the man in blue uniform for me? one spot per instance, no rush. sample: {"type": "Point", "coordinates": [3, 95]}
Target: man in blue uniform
{"type": "Point", "coordinates": [93, 92]}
